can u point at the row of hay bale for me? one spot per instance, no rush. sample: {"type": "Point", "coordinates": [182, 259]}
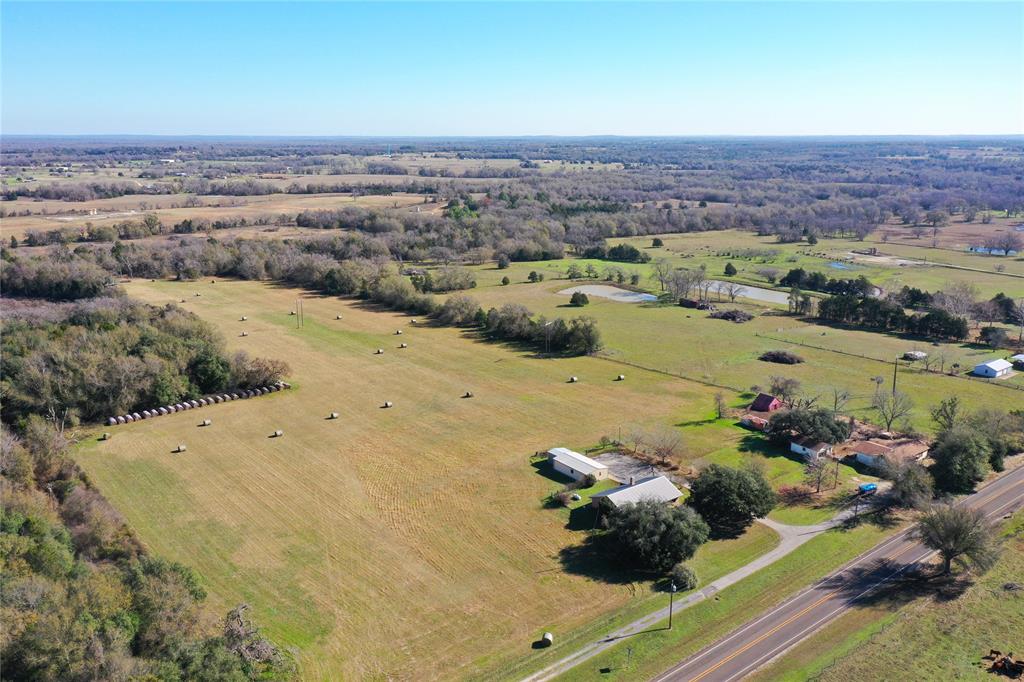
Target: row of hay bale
{"type": "Point", "coordinates": [194, 404]}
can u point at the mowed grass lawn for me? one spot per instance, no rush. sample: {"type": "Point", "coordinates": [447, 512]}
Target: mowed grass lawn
{"type": "Point", "coordinates": [689, 343]}
{"type": "Point", "coordinates": [409, 542]}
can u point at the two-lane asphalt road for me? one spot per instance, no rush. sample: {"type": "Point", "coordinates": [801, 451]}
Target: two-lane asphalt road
{"type": "Point", "coordinates": [772, 633]}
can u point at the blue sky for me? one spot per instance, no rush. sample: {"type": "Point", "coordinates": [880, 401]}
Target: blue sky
{"type": "Point", "coordinates": [732, 68]}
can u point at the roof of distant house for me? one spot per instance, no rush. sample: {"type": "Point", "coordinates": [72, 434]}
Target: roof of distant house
{"type": "Point", "coordinates": [812, 444]}
{"type": "Point", "coordinates": [657, 488]}
{"type": "Point", "coordinates": [998, 364]}
{"type": "Point", "coordinates": [575, 460]}
{"type": "Point", "coordinates": [870, 447]}
{"type": "Point", "coordinates": [763, 402]}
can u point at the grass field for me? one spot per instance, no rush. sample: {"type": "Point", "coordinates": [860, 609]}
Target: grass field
{"type": "Point", "coordinates": [409, 542]}
{"type": "Point", "coordinates": [690, 344]}
{"type": "Point", "coordinates": [170, 209]}
{"type": "Point", "coordinates": [936, 636]}
{"type": "Point", "coordinates": [922, 266]}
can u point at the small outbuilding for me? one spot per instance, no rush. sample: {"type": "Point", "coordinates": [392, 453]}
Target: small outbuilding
{"type": "Point", "coordinates": [810, 448]}
{"type": "Point", "coordinates": [752, 421]}
{"type": "Point", "coordinates": [576, 466]}
{"type": "Point", "coordinates": [765, 403]}
{"type": "Point", "coordinates": [657, 488]}
{"type": "Point", "coordinates": [1018, 360]}
{"type": "Point", "coordinates": [993, 369]}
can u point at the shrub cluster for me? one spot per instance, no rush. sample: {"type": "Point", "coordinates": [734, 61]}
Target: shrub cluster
{"type": "Point", "coordinates": [782, 357]}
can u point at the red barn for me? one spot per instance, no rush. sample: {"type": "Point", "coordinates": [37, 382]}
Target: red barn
{"type": "Point", "coordinates": [765, 403]}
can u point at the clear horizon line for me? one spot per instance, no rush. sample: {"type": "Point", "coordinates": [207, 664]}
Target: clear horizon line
{"type": "Point", "coordinates": [511, 135]}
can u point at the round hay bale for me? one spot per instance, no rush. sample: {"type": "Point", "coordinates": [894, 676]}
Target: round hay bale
{"type": "Point", "coordinates": [179, 406]}
{"type": "Point", "coordinates": [163, 411]}
{"type": "Point", "coordinates": [216, 399]}
{"type": "Point", "coordinates": [112, 421]}
{"type": "Point", "coordinates": [387, 403]}
{"type": "Point", "coordinates": [337, 317]}
{"type": "Point", "coordinates": [121, 420]}
{"type": "Point", "coordinates": [412, 321]}
{"type": "Point", "coordinates": [334, 415]}
{"type": "Point", "coordinates": [380, 351]}
{"type": "Point", "coordinates": [234, 396]}
{"type": "Point", "coordinates": [262, 391]}
{"type": "Point", "coordinates": [285, 384]}
{"type": "Point", "coordinates": [105, 436]}
{"type": "Point", "coordinates": [573, 380]}
{"type": "Point", "coordinates": [181, 448]}
{"type": "Point", "coordinates": [621, 377]}
{"type": "Point", "coordinates": [278, 433]}
{"type": "Point", "coordinates": [182, 300]}
{"type": "Point", "coordinates": [548, 639]}
{"type": "Point", "coordinates": [136, 416]}
{"type": "Point", "coordinates": [202, 402]}
{"type": "Point", "coordinates": [244, 334]}
{"type": "Point", "coordinates": [467, 394]}
{"type": "Point", "coordinates": [146, 414]}
{"type": "Point", "coordinates": [129, 418]}
{"type": "Point", "coordinates": [403, 345]}
{"type": "Point", "coordinates": [398, 332]}
{"type": "Point", "coordinates": [206, 422]}
{"type": "Point", "coordinates": [292, 312]}
{"type": "Point", "coordinates": [198, 294]}
{"type": "Point", "coordinates": [244, 318]}
{"type": "Point", "coordinates": [195, 403]}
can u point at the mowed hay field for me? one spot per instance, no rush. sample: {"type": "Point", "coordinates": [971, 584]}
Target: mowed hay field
{"type": "Point", "coordinates": [403, 543]}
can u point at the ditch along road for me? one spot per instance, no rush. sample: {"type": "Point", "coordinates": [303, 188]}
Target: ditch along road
{"type": "Point", "coordinates": [774, 632]}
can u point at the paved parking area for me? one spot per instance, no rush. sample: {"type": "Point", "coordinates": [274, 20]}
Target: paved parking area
{"type": "Point", "coordinates": [621, 466]}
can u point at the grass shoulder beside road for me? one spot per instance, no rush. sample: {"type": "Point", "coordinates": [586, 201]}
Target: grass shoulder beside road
{"type": "Point", "coordinates": [939, 635]}
{"type": "Point", "coordinates": [648, 654]}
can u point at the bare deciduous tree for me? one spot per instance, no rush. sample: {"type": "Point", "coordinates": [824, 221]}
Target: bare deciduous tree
{"type": "Point", "coordinates": [892, 406]}
{"type": "Point", "coordinates": [661, 268]}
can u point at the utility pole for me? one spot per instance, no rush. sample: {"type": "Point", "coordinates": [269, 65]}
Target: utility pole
{"type": "Point", "coordinates": [671, 599]}
{"type": "Point", "coordinates": [895, 365]}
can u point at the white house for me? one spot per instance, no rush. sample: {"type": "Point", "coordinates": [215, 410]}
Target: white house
{"type": "Point", "coordinates": [993, 369]}
{"type": "Point", "coordinates": [576, 466]}
{"type": "Point", "coordinates": [810, 448]}
{"type": "Point", "coordinates": [657, 488]}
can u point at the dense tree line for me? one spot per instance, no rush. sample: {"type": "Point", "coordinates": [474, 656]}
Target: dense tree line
{"type": "Point", "coordinates": [81, 599]}
{"type": "Point", "coordinates": [886, 315]}
{"type": "Point", "coordinates": [817, 281]}
{"type": "Point", "coordinates": [111, 355]}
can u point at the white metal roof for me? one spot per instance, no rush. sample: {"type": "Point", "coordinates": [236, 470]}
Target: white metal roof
{"type": "Point", "coordinates": [656, 488]}
{"type": "Point", "coordinates": [998, 365]}
{"type": "Point", "coordinates": [575, 460]}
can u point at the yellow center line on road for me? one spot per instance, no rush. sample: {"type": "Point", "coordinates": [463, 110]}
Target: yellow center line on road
{"type": "Point", "coordinates": [782, 625]}
{"type": "Point", "coordinates": [984, 496]}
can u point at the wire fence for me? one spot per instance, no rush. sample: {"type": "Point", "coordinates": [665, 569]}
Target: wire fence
{"type": "Point", "coordinates": [817, 677]}
{"type": "Point", "coordinates": [889, 363]}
